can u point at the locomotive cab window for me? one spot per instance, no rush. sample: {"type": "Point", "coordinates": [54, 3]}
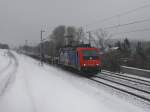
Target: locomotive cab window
{"type": "Point", "coordinates": [90, 54]}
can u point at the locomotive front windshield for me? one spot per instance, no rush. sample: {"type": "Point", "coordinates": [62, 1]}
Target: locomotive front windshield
{"type": "Point", "coordinates": [90, 54]}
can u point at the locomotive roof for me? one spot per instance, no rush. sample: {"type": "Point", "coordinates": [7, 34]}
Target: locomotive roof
{"type": "Point", "coordinates": [79, 45]}
{"type": "Point", "coordinates": [82, 46]}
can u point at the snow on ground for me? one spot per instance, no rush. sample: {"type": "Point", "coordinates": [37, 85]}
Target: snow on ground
{"type": "Point", "coordinates": [129, 75]}
{"type": "Point", "coordinates": [136, 68]}
{"type": "Point", "coordinates": [134, 76]}
{"type": "Point", "coordinates": [48, 89]}
{"type": "Point", "coordinates": [4, 60]}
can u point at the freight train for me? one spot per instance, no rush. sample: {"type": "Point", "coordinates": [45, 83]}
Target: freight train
{"type": "Point", "coordinates": [82, 58]}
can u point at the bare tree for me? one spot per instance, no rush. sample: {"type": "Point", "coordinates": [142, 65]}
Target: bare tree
{"type": "Point", "coordinates": [103, 38]}
{"type": "Point", "coordinates": [58, 38]}
{"type": "Point", "coordinates": [71, 34]}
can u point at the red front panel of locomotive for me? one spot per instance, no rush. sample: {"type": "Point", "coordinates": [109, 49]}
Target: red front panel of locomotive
{"type": "Point", "coordinates": [89, 58]}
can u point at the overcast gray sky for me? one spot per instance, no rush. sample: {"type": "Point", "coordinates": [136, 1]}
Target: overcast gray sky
{"type": "Point", "coordinates": [22, 20]}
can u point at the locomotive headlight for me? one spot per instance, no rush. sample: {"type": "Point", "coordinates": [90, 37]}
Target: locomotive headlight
{"type": "Point", "coordinates": [97, 64]}
{"type": "Point", "coordinates": [84, 64]}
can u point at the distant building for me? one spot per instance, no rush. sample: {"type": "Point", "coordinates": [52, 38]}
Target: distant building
{"type": "Point", "coordinates": [4, 46]}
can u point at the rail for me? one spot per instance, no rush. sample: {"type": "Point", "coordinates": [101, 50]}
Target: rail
{"type": "Point", "coordinates": [135, 71]}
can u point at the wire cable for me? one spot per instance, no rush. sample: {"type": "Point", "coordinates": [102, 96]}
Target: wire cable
{"type": "Point", "coordinates": [119, 15]}
{"type": "Point", "coordinates": [127, 24]}
{"type": "Point", "coordinates": [123, 25]}
{"type": "Point", "coordinates": [132, 31]}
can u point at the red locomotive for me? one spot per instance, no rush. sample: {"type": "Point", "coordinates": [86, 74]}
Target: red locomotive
{"type": "Point", "coordinates": [82, 57]}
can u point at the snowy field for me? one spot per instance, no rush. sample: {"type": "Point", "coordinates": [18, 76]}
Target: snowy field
{"type": "Point", "coordinates": [32, 88]}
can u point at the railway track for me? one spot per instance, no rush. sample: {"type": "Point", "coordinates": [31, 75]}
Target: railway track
{"type": "Point", "coordinates": [141, 86]}
{"type": "Point", "coordinates": [127, 76]}
{"type": "Point", "coordinates": [110, 80]}
{"type": "Point", "coordinates": [135, 80]}
{"type": "Point", "coordinates": [118, 83]}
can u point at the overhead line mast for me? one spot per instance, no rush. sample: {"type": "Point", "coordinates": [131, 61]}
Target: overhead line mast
{"type": "Point", "coordinates": [41, 47]}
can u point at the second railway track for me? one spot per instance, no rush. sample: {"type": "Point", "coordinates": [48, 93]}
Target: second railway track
{"type": "Point", "coordinates": [138, 81]}
{"type": "Point", "coordinates": [110, 81]}
{"type": "Point", "coordinates": [134, 84]}
{"type": "Point", "coordinates": [130, 77]}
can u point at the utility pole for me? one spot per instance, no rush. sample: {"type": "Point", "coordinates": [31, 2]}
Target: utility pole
{"type": "Point", "coordinates": [41, 47]}
{"type": "Point", "coordinates": [26, 46]}
{"type": "Point", "coordinates": [89, 37]}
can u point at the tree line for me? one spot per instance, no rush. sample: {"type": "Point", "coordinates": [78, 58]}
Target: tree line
{"type": "Point", "coordinates": [128, 53]}
{"type": "Point", "coordinates": [113, 53]}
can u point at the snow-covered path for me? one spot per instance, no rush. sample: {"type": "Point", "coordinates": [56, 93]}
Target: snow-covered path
{"type": "Point", "coordinates": [4, 61]}
{"type": "Point", "coordinates": [48, 89]}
